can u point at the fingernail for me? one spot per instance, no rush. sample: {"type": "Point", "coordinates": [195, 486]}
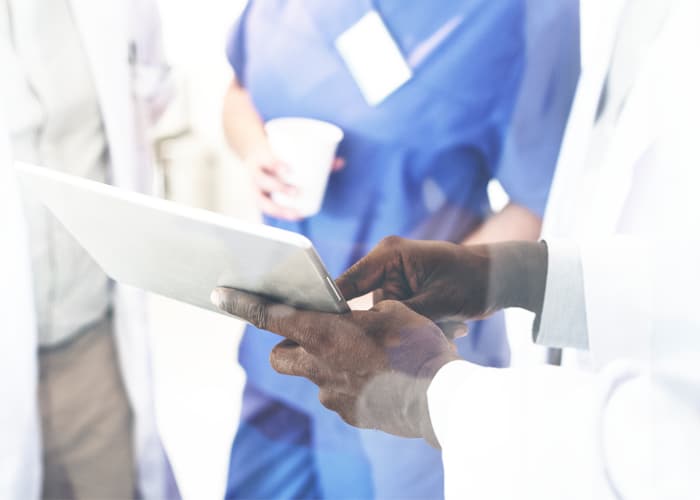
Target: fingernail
{"type": "Point", "coordinates": [462, 332]}
{"type": "Point", "coordinates": [215, 298]}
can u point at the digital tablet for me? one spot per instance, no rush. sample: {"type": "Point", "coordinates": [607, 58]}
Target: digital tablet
{"type": "Point", "coordinates": [181, 252]}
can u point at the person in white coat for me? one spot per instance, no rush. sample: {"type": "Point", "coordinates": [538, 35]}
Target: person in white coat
{"type": "Point", "coordinates": [81, 83]}
{"type": "Point", "coordinates": [616, 280]}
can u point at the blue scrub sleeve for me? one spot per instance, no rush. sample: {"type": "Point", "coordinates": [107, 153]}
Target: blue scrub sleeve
{"type": "Point", "coordinates": [533, 139]}
{"type": "Point", "coordinates": [236, 46]}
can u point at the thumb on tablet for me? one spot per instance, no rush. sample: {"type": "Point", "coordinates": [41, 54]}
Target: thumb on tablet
{"type": "Point", "coordinates": [365, 276]}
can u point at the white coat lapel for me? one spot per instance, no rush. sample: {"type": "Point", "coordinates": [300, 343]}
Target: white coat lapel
{"type": "Point", "coordinates": [634, 135]}
{"type": "Point", "coordinates": [104, 27]}
{"type": "Point", "coordinates": [599, 21]}
{"type": "Point", "coordinates": [637, 129]}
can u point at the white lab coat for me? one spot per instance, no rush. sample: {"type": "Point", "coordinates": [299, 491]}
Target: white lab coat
{"type": "Point", "coordinates": [121, 39]}
{"type": "Point", "coordinates": [629, 427]}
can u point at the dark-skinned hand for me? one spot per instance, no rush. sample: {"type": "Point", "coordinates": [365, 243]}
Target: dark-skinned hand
{"type": "Point", "coordinates": [446, 281]}
{"type": "Point", "coordinates": [372, 367]}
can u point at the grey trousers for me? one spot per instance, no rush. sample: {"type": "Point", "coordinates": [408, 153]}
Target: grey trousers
{"type": "Point", "coordinates": [86, 420]}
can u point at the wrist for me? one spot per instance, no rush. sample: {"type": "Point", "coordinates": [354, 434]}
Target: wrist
{"type": "Point", "coordinates": [256, 151]}
{"type": "Point", "coordinates": [519, 272]}
{"type": "Point", "coordinates": [419, 410]}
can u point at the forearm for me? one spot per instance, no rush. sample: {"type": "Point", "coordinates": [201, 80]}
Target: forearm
{"type": "Point", "coordinates": [513, 223]}
{"type": "Point", "coordinates": [496, 276]}
{"type": "Point", "coordinates": [518, 264]}
{"type": "Point", "coordinates": [243, 125]}
{"type": "Point", "coordinates": [517, 275]}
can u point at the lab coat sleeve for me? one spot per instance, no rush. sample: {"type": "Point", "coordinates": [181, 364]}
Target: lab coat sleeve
{"type": "Point", "coordinates": [562, 322]}
{"type": "Point", "coordinates": [618, 282]}
{"type": "Point", "coordinates": [515, 433]}
{"type": "Point", "coordinates": [544, 432]}
{"type": "Point", "coordinates": [629, 430]}
{"type": "Point", "coordinates": [641, 295]}
{"type": "Point", "coordinates": [612, 295]}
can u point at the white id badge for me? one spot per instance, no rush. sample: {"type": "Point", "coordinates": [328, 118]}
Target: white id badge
{"type": "Point", "coordinates": [373, 58]}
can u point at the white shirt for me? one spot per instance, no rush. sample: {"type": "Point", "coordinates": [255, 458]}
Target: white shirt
{"type": "Point", "coordinates": [55, 121]}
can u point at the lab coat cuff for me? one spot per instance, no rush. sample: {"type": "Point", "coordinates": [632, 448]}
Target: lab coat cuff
{"type": "Point", "coordinates": [562, 322]}
{"type": "Point", "coordinates": [619, 289]}
{"type": "Point", "coordinates": [442, 394]}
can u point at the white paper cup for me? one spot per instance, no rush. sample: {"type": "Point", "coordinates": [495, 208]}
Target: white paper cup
{"type": "Point", "coordinates": [308, 147]}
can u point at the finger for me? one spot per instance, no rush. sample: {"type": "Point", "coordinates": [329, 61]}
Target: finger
{"type": "Point", "coordinates": [389, 306]}
{"type": "Point", "coordinates": [370, 272]}
{"type": "Point", "coordinates": [278, 167]}
{"type": "Point", "coordinates": [434, 305]}
{"type": "Point", "coordinates": [423, 304]}
{"type": "Point", "coordinates": [265, 158]}
{"type": "Point", "coordinates": [365, 276]}
{"type": "Point", "coordinates": [389, 293]}
{"type": "Point", "coordinates": [390, 311]}
{"type": "Point", "coordinates": [453, 329]}
{"type": "Point", "coordinates": [292, 359]}
{"type": "Point", "coordinates": [338, 164]}
{"type": "Point", "coordinates": [343, 404]}
{"type": "Point", "coordinates": [377, 296]}
{"type": "Point", "coordinates": [270, 182]}
{"type": "Point", "coordinates": [311, 330]}
{"type": "Point", "coordinates": [272, 209]}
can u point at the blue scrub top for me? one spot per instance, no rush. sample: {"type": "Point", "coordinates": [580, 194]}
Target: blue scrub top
{"type": "Point", "coordinates": [418, 164]}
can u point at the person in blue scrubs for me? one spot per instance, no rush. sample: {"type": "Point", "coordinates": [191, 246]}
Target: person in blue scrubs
{"type": "Point", "coordinates": [418, 165]}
